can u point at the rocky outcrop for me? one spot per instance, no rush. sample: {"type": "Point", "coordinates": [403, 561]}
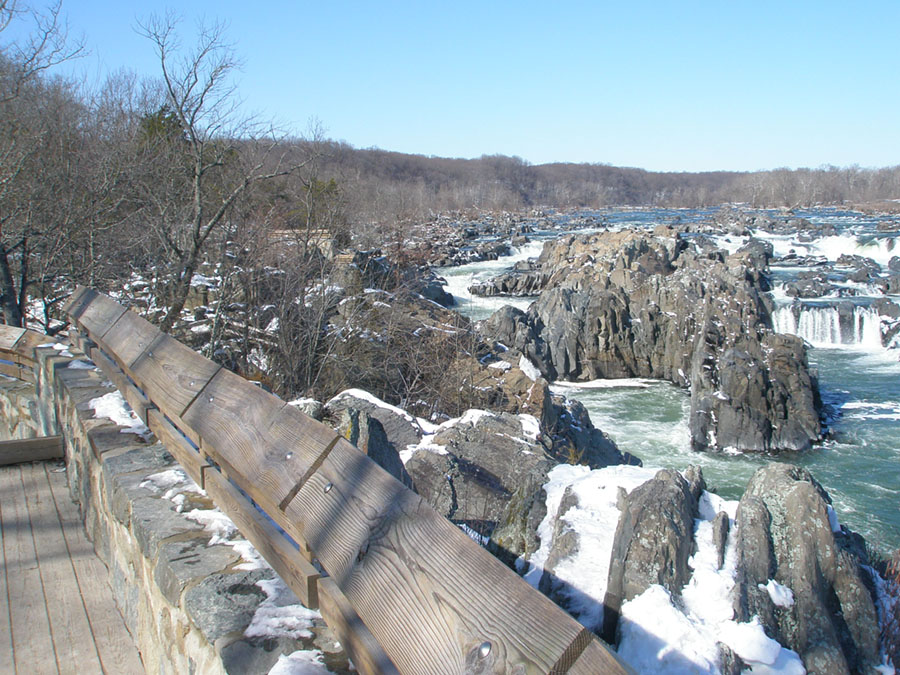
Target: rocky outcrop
{"type": "Point", "coordinates": [483, 470]}
{"type": "Point", "coordinates": [527, 278]}
{"type": "Point", "coordinates": [634, 304]}
{"type": "Point", "coordinates": [653, 542]}
{"type": "Point", "coordinates": [787, 533]}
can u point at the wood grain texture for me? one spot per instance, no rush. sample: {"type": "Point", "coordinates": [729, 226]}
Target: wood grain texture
{"type": "Point", "coordinates": [364, 650]}
{"type": "Point", "coordinates": [9, 335]}
{"type": "Point", "coordinates": [95, 313]}
{"type": "Point", "coordinates": [286, 560]}
{"type": "Point", "coordinates": [17, 371]}
{"type": "Point", "coordinates": [25, 346]}
{"type": "Point", "coordinates": [74, 306]}
{"type": "Point", "coordinates": [29, 623]}
{"type": "Point", "coordinates": [172, 374]}
{"type": "Point", "coordinates": [7, 662]}
{"type": "Point", "coordinates": [597, 658]}
{"type": "Point", "coordinates": [70, 629]}
{"type": "Point", "coordinates": [341, 504]}
{"type": "Point", "coordinates": [128, 338]}
{"type": "Point", "coordinates": [31, 450]}
{"type": "Point", "coordinates": [114, 643]}
{"type": "Point", "coordinates": [271, 447]}
{"type": "Point", "coordinates": [427, 592]}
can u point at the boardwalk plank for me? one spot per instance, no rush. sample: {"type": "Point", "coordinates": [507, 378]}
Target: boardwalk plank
{"type": "Point", "coordinates": [6, 646]}
{"type": "Point", "coordinates": [114, 643]}
{"type": "Point", "coordinates": [69, 627]}
{"type": "Point", "coordinates": [30, 625]}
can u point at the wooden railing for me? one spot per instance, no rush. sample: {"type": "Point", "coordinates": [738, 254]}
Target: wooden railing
{"type": "Point", "coordinates": [404, 589]}
{"type": "Point", "coordinates": [17, 360]}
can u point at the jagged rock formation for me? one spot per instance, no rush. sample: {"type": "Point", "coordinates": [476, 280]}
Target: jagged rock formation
{"type": "Point", "coordinates": [653, 542]}
{"type": "Point", "coordinates": [785, 533]}
{"type": "Point", "coordinates": [483, 470]}
{"type": "Point", "coordinates": [634, 304]}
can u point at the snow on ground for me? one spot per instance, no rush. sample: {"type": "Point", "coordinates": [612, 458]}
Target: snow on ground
{"type": "Point", "coordinates": [659, 633]}
{"type": "Point", "coordinates": [113, 407]}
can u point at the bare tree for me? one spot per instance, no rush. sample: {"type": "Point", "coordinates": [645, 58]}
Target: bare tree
{"type": "Point", "coordinates": [214, 158]}
{"type": "Point", "coordinates": [32, 111]}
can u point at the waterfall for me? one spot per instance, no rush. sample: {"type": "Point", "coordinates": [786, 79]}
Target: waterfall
{"type": "Point", "coordinates": [830, 325]}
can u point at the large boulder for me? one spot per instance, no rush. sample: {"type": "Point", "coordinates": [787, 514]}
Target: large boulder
{"type": "Point", "coordinates": [483, 470]}
{"type": "Point", "coordinates": [653, 541]}
{"type": "Point", "coordinates": [788, 538]}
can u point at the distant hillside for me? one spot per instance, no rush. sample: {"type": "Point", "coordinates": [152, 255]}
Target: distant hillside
{"type": "Point", "coordinates": [381, 185]}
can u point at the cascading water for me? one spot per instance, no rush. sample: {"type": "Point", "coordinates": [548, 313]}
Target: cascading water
{"type": "Point", "coordinates": [830, 326]}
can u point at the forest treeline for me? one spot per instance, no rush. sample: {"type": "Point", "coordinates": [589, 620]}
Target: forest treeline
{"type": "Point", "coordinates": [383, 185]}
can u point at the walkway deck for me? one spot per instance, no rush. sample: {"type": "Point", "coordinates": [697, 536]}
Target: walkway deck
{"type": "Point", "coordinates": [57, 614]}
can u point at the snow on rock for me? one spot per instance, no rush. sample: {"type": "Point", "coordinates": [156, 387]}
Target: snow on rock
{"type": "Point", "coordinates": [656, 637]}
{"type": "Point", "coordinates": [215, 523]}
{"type": "Point", "coordinates": [658, 633]}
{"type": "Point", "coordinates": [299, 663]}
{"type": "Point", "coordinates": [281, 614]}
{"type": "Point", "coordinates": [374, 400]}
{"type": "Point", "coordinates": [530, 370]}
{"type": "Point", "coordinates": [500, 365]}
{"type": "Point", "coordinates": [531, 427]}
{"type": "Point", "coordinates": [782, 596]}
{"type": "Point", "coordinates": [81, 364]}
{"type": "Point", "coordinates": [594, 518]}
{"type": "Point", "coordinates": [113, 407]}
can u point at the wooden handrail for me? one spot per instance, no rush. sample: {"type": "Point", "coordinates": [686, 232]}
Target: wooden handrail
{"type": "Point", "coordinates": [406, 590]}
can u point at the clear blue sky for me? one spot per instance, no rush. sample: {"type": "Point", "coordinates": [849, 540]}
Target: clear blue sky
{"type": "Point", "coordinates": [692, 86]}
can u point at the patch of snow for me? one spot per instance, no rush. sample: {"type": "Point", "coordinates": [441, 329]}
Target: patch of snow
{"type": "Point", "coordinates": [658, 638]}
{"type": "Point", "coordinates": [471, 416]}
{"type": "Point", "coordinates": [299, 663]}
{"type": "Point", "coordinates": [215, 523]}
{"type": "Point", "coordinates": [62, 349]}
{"type": "Point", "coordinates": [374, 400]}
{"type": "Point", "coordinates": [781, 595]}
{"type": "Point", "coordinates": [478, 538]}
{"type": "Point", "coordinates": [531, 427]}
{"type": "Point", "coordinates": [81, 364]}
{"type": "Point", "coordinates": [530, 370]}
{"type": "Point", "coordinates": [297, 402]}
{"type": "Point", "coordinates": [113, 406]}
{"type": "Point", "coordinates": [500, 365]}
{"type": "Point", "coordinates": [280, 614]}
{"type": "Point", "coordinates": [594, 519]}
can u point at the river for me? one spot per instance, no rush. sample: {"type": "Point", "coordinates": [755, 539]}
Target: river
{"type": "Point", "coordinates": [859, 462]}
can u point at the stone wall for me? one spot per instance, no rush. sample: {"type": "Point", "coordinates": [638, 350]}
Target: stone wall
{"type": "Point", "coordinates": [186, 598]}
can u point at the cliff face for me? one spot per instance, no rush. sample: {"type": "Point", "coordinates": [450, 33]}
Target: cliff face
{"type": "Point", "coordinates": [634, 304]}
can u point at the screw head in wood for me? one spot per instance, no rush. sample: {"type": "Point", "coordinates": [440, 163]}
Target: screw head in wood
{"type": "Point", "coordinates": [484, 650]}
{"type": "Point", "coordinates": [289, 455]}
{"type": "Point", "coordinates": [328, 488]}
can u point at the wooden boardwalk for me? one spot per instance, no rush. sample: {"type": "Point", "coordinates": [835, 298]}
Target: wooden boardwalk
{"type": "Point", "coordinates": [57, 614]}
